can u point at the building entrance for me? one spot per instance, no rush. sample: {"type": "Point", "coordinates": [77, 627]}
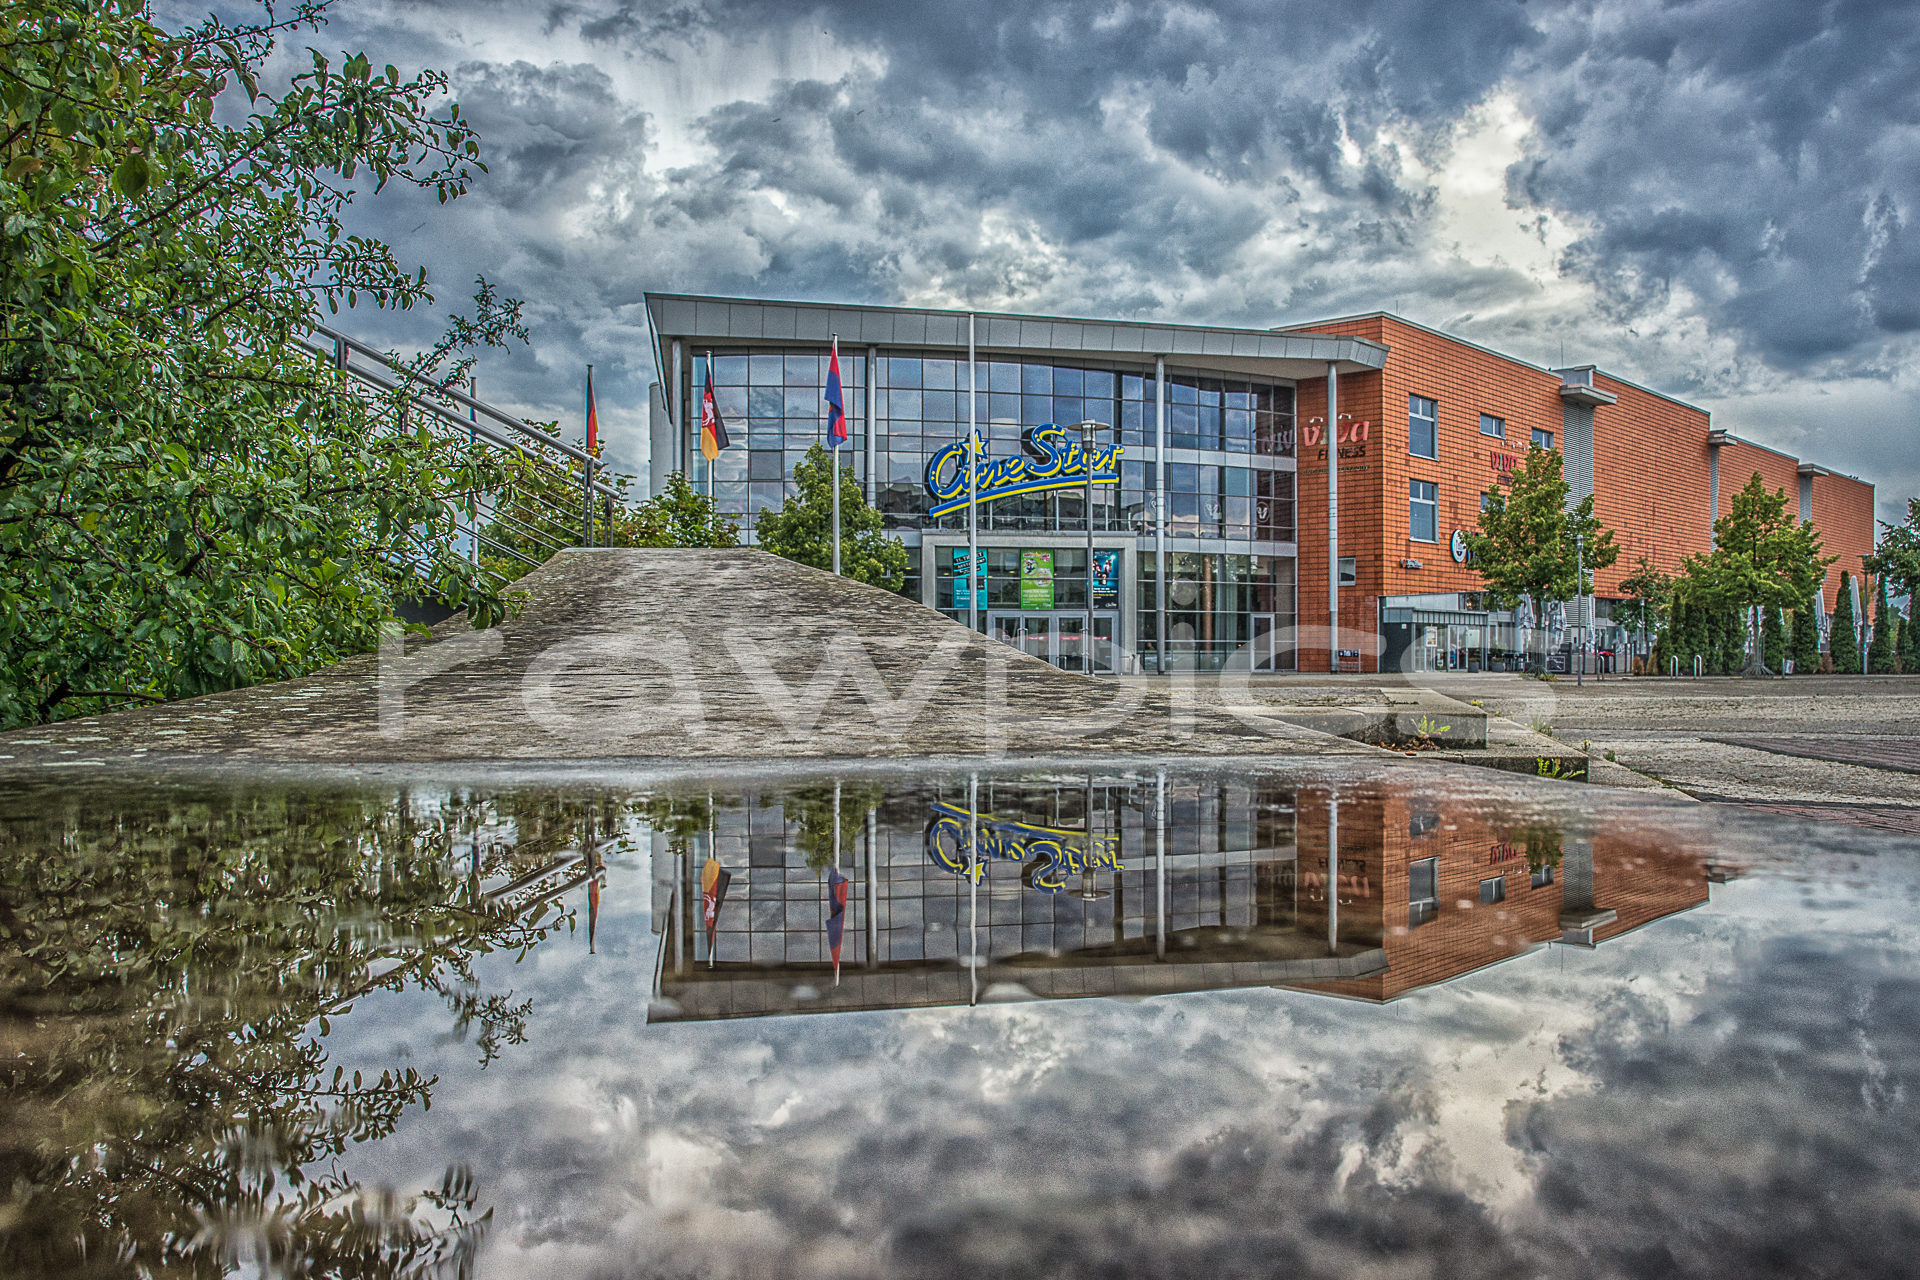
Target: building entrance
{"type": "Point", "coordinates": [1068, 639]}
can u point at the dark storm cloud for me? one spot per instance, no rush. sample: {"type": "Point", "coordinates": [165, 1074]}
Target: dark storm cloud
{"type": "Point", "coordinates": [1743, 178]}
{"type": "Point", "coordinates": [1764, 156]}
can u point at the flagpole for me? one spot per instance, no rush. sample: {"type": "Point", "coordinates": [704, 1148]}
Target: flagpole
{"type": "Point", "coordinates": [713, 937]}
{"type": "Point", "coordinates": [973, 489]}
{"type": "Point", "coordinates": [836, 839]}
{"type": "Point", "coordinates": [833, 453]}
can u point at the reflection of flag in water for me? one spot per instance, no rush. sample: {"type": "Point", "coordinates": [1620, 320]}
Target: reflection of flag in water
{"type": "Point", "coordinates": [714, 880]}
{"type": "Point", "coordinates": [836, 916]}
{"type": "Point", "coordinates": [836, 402]}
{"type": "Point", "coordinates": [593, 910]}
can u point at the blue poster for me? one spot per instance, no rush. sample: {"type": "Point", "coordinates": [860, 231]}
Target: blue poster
{"type": "Point", "coordinates": [1106, 580]}
{"type": "Point", "coordinates": [962, 597]}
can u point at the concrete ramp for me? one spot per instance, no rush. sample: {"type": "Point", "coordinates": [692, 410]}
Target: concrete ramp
{"type": "Point", "coordinates": [673, 655]}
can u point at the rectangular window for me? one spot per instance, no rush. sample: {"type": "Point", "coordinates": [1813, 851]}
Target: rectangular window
{"type": "Point", "coordinates": [1542, 439]}
{"type": "Point", "coordinates": [1543, 876]}
{"type": "Point", "coordinates": [1492, 426]}
{"type": "Point", "coordinates": [1349, 571]}
{"type": "Point", "coordinates": [1423, 511]}
{"type": "Point", "coordinates": [1486, 500]}
{"type": "Point", "coordinates": [1423, 427]}
{"type": "Point", "coordinates": [1423, 891]}
{"type": "Point", "coordinates": [1494, 890]}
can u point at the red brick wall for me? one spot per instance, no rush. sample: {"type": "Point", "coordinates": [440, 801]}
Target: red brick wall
{"type": "Point", "coordinates": [1650, 481]}
{"type": "Point", "coordinates": [1738, 462]}
{"type": "Point", "coordinates": [1466, 382]}
{"type": "Point", "coordinates": [1843, 512]}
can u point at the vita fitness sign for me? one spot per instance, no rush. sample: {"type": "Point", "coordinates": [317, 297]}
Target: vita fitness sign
{"type": "Point", "coordinates": [1053, 460]}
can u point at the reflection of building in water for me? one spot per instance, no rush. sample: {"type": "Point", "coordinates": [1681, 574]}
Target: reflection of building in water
{"type": "Point", "coordinates": [1175, 884]}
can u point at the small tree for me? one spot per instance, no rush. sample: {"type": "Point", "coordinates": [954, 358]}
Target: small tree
{"type": "Point", "coordinates": [802, 529]}
{"type": "Point", "coordinates": [1844, 640]}
{"type": "Point", "coordinates": [678, 517]}
{"type": "Point", "coordinates": [1806, 640]}
{"type": "Point", "coordinates": [1526, 543]}
{"type": "Point", "coordinates": [1898, 557]}
{"type": "Point", "coordinates": [1773, 637]}
{"type": "Point", "coordinates": [1761, 558]}
{"type": "Point", "coordinates": [1649, 596]}
{"type": "Point", "coordinates": [1908, 649]}
{"type": "Point", "coordinates": [1885, 623]}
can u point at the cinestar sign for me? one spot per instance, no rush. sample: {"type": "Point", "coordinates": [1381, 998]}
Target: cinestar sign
{"type": "Point", "coordinates": [1053, 460]}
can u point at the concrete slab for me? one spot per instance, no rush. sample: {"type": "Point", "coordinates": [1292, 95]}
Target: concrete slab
{"type": "Point", "coordinates": [651, 655]}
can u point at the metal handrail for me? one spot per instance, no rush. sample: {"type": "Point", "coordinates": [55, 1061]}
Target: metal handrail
{"type": "Point", "coordinates": [534, 434]}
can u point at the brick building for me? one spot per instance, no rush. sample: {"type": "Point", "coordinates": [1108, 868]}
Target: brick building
{"type": "Point", "coordinates": [1209, 454]}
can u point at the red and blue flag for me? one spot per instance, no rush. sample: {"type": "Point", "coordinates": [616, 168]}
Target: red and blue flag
{"type": "Point", "coordinates": [836, 916]}
{"type": "Point", "coordinates": [836, 402]}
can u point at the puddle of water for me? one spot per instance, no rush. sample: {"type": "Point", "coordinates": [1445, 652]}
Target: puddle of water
{"type": "Point", "coordinates": [1157, 1021]}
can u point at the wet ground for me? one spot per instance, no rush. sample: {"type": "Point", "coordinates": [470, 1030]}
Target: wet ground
{"type": "Point", "coordinates": [1165, 1018]}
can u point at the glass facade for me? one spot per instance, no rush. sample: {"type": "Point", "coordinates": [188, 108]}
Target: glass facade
{"type": "Point", "coordinates": [771, 400]}
{"type": "Point", "coordinates": [1231, 480]}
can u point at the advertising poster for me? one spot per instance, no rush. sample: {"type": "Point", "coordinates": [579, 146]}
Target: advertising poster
{"type": "Point", "coordinates": [1106, 580]}
{"type": "Point", "coordinates": [962, 595]}
{"type": "Point", "coordinates": [1036, 579]}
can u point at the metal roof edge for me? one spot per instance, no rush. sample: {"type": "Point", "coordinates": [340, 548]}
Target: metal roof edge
{"type": "Point", "coordinates": [650, 300]}
{"type": "Point", "coordinates": [1438, 333]}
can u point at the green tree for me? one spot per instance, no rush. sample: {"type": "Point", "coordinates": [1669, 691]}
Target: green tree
{"type": "Point", "coordinates": [678, 517]}
{"type": "Point", "coordinates": [1773, 633]}
{"type": "Point", "coordinates": [1843, 638]}
{"type": "Point", "coordinates": [1909, 645]}
{"type": "Point", "coordinates": [190, 500]}
{"type": "Point", "coordinates": [1649, 595]}
{"type": "Point", "coordinates": [1898, 556]}
{"type": "Point", "coordinates": [802, 529]}
{"type": "Point", "coordinates": [1762, 558]}
{"type": "Point", "coordinates": [1886, 623]}
{"type": "Point", "coordinates": [1806, 640]}
{"type": "Point", "coordinates": [1526, 543]}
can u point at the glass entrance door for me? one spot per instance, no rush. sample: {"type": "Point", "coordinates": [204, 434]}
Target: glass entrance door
{"type": "Point", "coordinates": [1260, 648]}
{"type": "Point", "coordinates": [1070, 641]}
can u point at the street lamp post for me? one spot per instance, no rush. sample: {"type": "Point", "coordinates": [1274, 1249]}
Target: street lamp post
{"type": "Point", "coordinates": [1086, 430]}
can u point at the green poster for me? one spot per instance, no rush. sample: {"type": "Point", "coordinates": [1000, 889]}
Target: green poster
{"type": "Point", "coordinates": [1036, 579]}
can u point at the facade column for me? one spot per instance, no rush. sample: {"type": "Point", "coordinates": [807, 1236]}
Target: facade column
{"type": "Point", "coordinates": [1160, 865]}
{"type": "Point", "coordinates": [1333, 517]}
{"type": "Point", "coordinates": [1160, 510]}
{"type": "Point", "coordinates": [1579, 915]}
{"type": "Point", "coordinates": [873, 354]}
{"type": "Point", "coordinates": [1333, 873]}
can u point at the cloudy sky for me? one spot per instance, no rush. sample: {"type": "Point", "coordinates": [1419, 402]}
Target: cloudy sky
{"type": "Point", "coordinates": [1716, 198]}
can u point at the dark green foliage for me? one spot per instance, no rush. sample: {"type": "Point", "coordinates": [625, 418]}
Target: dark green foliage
{"type": "Point", "coordinates": [1806, 641]}
{"type": "Point", "coordinates": [1886, 624]}
{"type": "Point", "coordinates": [1908, 647]}
{"type": "Point", "coordinates": [1526, 543]}
{"type": "Point", "coordinates": [802, 529]}
{"type": "Point", "coordinates": [188, 501]}
{"type": "Point", "coordinates": [1843, 641]}
{"type": "Point", "coordinates": [1773, 633]}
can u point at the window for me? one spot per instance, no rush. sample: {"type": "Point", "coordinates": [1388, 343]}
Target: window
{"type": "Point", "coordinates": [1422, 824]}
{"type": "Point", "coordinates": [1543, 876]}
{"type": "Point", "coordinates": [1423, 427]}
{"type": "Point", "coordinates": [1349, 571]}
{"type": "Point", "coordinates": [1423, 891]}
{"type": "Point", "coordinates": [1542, 439]}
{"type": "Point", "coordinates": [1423, 511]}
{"type": "Point", "coordinates": [1494, 890]}
{"type": "Point", "coordinates": [1486, 500]}
{"type": "Point", "coordinates": [1492, 426]}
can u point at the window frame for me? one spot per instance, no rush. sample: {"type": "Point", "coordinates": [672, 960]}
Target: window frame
{"type": "Point", "coordinates": [1422, 909]}
{"type": "Point", "coordinates": [1535, 439]}
{"type": "Point", "coordinates": [1431, 420]}
{"type": "Point", "coordinates": [1415, 501]}
{"type": "Point", "coordinates": [1496, 894]}
{"type": "Point", "coordinates": [1500, 425]}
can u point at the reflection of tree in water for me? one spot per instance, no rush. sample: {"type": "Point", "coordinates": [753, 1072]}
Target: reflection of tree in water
{"type": "Point", "coordinates": [169, 968]}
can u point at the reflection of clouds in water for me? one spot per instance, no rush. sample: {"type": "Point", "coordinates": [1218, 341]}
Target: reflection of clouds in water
{"type": "Point", "coordinates": [1682, 1100]}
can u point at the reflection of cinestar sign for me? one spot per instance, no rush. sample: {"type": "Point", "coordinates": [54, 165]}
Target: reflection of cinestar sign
{"type": "Point", "coordinates": [1053, 461]}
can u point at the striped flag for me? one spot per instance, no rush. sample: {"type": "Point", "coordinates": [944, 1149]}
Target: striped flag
{"type": "Point", "coordinates": [836, 916]}
{"type": "Point", "coordinates": [713, 427]}
{"type": "Point", "coordinates": [714, 880]}
{"type": "Point", "coordinates": [593, 420]}
{"type": "Point", "coordinates": [836, 402]}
